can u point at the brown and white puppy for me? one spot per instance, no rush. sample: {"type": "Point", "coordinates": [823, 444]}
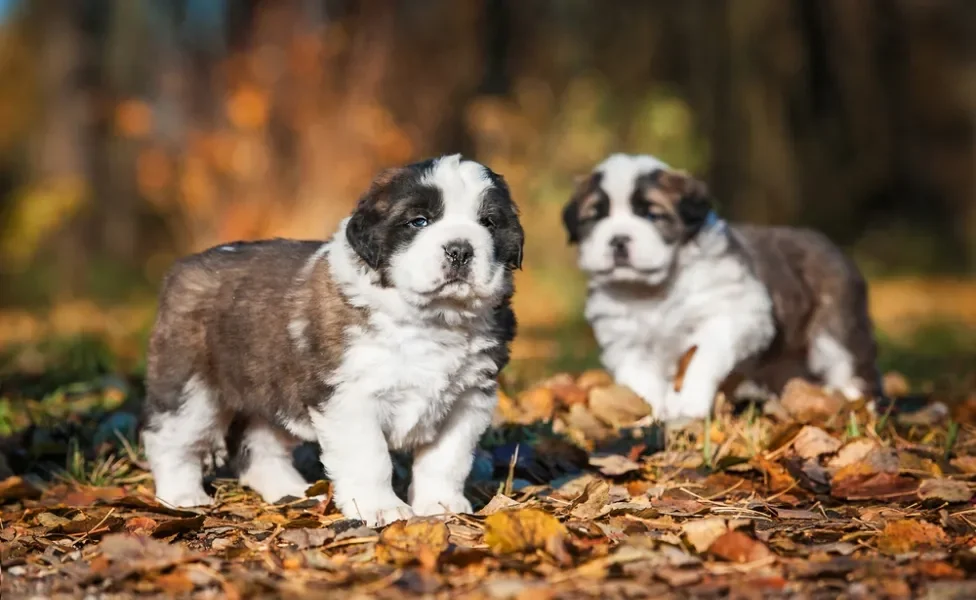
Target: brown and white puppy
{"type": "Point", "coordinates": [667, 275]}
{"type": "Point", "coordinates": [388, 336]}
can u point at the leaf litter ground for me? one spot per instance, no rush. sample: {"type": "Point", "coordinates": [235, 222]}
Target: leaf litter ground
{"type": "Point", "coordinates": [580, 494]}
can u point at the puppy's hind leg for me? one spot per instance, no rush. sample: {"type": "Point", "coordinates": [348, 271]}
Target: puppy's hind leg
{"type": "Point", "coordinates": [266, 462]}
{"type": "Point", "coordinates": [176, 442]}
{"type": "Point", "coordinates": [842, 351]}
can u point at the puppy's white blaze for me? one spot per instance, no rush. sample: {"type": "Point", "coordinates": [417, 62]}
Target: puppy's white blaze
{"type": "Point", "coordinates": [228, 249]}
{"type": "Point", "coordinates": [619, 173]}
{"type": "Point", "coordinates": [462, 183]}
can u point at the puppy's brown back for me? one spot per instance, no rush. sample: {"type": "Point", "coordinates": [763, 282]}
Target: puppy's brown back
{"type": "Point", "coordinates": [261, 323]}
{"type": "Point", "coordinates": [816, 289]}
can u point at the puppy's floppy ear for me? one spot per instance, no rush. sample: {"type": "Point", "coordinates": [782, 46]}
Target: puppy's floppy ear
{"type": "Point", "coordinates": [694, 201]}
{"type": "Point", "coordinates": [510, 239]}
{"type": "Point", "coordinates": [363, 232]}
{"type": "Point", "coordinates": [571, 210]}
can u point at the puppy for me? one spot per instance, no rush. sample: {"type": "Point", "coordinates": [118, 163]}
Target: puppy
{"type": "Point", "coordinates": [666, 276]}
{"type": "Point", "coordinates": [389, 335]}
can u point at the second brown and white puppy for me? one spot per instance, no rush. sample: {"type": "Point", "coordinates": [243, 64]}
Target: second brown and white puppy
{"type": "Point", "coordinates": [388, 336]}
{"type": "Point", "coordinates": [667, 275]}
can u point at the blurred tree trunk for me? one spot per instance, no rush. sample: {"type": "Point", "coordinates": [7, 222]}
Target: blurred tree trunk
{"type": "Point", "coordinates": [62, 147]}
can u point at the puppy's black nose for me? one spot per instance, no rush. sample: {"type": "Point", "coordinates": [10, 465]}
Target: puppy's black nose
{"type": "Point", "coordinates": [619, 245]}
{"type": "Point", "coordinates": [459, 252]}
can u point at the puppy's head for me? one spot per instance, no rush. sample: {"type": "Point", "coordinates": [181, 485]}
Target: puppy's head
{"type": "Point", "coordinates": [631, 215]}
{"type": "Point", "coordinates": [442, 230]}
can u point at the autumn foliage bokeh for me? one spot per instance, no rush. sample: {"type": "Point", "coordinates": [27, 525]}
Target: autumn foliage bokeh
{"type": "Point", "coordinates": [135, 131]}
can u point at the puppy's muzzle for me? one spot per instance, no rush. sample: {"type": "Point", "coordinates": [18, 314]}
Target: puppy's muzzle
{"type": "Point", "coordinates": [458, 255]}
{"type": "Point", "coordinates": [620, 246]}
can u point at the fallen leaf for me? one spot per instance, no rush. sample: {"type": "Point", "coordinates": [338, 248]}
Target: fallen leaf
{"type": "Point", "coordinates": [946, 490]}
{"type": "Point", "coordinates": [852, 452]}
{"type": "Point", "coordinates": [966, 464]}
{"type": "Point", "coordinates": [592, 500]}
{"type": "Point", "coordinates": [309, 538]}
{"type": "Point", "coordinates": [403, 542]}
{"type": "Point", "coordinates": [506, 411]}
{"type": "Point", "coordinates": [565, 390]}
{"type": "Point", "coordinates": [777, 478]}
{"type": "Point", "coordinates": [617, 405]}
{"type": "Point", "coordinates": [702, 533]}
{"type": "Point", "coordinates": [522, 530]}
{"type": "Point", "coordinates": [580, 418]}
{"type": "Point", "coordinates": [175, 583]}
{"type": "Point", "coordinates": [594, 378]}
{"type": "Point", "coordinates": [813, 442]}
{"type": "Point", "coordinates": [139, 553]}
{"type": "Point", "coordinates": [938, 569]}
{"type": "Point", "coordinates": [809, 474]}
{"type": "Point", "coordinates": [498, 503]}
{"type": "Point", "coordinates": [17, 488]}
{"type": "Point", "coordinates": [140, 525]}
{"type": "Point", "coordinates": [537, 404]}
{"type": "Point", "coordinates": [874, 486]}
{"type": "Point", "coordinates": [895, 384]}
{"type": "Point", "coordinates": [614, 465]}
{"type": "Point", "coordinates": [906, 535]}
{"type": "Point", "coordinates": [808, 402]}
{"type": "Point", "coordinates": [735, 546]}
{"type": "Point", "coordinates": [172, 526]}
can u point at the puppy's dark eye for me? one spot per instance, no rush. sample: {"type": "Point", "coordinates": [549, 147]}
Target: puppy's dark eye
{"type": "Point", "coordinates": [488, 223]}
{"type": "Point", "coordinates": [655, 214]}
{"type": "Point", "coordinates": [419, 222]}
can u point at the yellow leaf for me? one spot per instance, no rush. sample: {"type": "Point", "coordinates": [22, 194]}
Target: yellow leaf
{"type": "Point", "coordinates": [403, 542]}
{"type": "Point", "coordinates": [522, 530]}
{"type": "Point", "coordinates": [906, 535]}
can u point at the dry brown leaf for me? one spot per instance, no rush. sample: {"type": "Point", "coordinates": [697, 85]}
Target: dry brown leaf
{"type": "Point", "coordinates": [537, 404]}
{"type": "Point", "coordinates": [498, 503]}
{"type": "Point", "coordinates": [564, 387]}
{"type": "Point", "coordinates": [778, 479]}
{"type": "Point", "coordinates": [506, 411]}
{"type": "Point", "coordinates": [17, 488]}
{"type": "Point", "coordinates": [140, 525]}
{"type": "Point", "coordinates": [167, 528]}
{"type": "Point", "coordinates": [947, 490]}
{"type": "Point", "coordinates": [966, 464]}
{"type": "Point", "coordinates": [813, 442]}
{"type": "Point", "coordinates": [174, 584]}
{"type": "Point", "coordinates": [594, 498]}
{"type": "Point", "coordinates": [522, 530]}
{"type": "Point", "coordinates": [614, 465]}
{"type": "Point", "coordinates": [701, 533]}
{"type": "Point", "coordinates": [580, 418]}
{"type": "Point", "coordinates": [906, 535]}
{"type": "Point", "coordinates": [309, 538]}
{"type": "Point", "coordinates": [683, 362]}
{"type": "Point", "coordinates": [808, 402]}
{"type": "Point", "coordinates": [617, 405]}
{"type": "Point", "coordinates": [594, 378]}
{"type": "Point", "coordinates": [735, 546]}
{"type": "Point", "coordinates": [852, 452]}
{"type": "Point", "coordinates": [406, 542]}
{"type": "Point", "coordinates": [874, 486]}
{"type": "Point", "coordinates": [895, 385]}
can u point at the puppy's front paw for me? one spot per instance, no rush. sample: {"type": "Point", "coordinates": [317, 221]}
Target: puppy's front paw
{"type": "Point", "coordinates": [453, 503]}
{"type": "Point", "coordinates": [377, 513]}
{"type": "Point", "coordinates": [184, 498]}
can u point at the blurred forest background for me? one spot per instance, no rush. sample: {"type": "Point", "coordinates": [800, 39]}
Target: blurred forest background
{"type": "Point", "coordinates": [134, 131]}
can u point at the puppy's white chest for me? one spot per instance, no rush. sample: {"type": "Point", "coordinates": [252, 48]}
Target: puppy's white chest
{"type": "Point", "coordinates": [415, 374]}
